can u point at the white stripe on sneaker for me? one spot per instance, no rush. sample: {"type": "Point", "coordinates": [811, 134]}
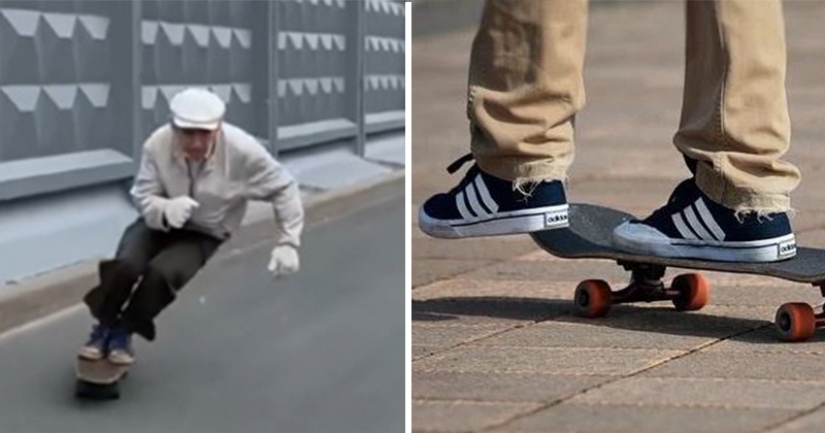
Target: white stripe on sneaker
{"type": "Point", "coordinates": [697, 227]}
{"type": "Point", "coordinates": [485, 195]}
{"type": "Point", "coordinates": [682, 227]}
{"type": "Point", "coordinates": [709, 221]}
{"type": "Point", "coordinates": [462, 208]}
{"type": "Point", "coordinates": [472, 197]}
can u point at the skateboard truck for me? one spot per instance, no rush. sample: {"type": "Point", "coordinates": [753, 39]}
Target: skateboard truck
{"type": "Point", "coordinates": [688, 292]}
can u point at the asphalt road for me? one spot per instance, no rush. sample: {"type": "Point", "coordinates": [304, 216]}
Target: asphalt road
{"type": "Point", "coordinates": [322, 351]}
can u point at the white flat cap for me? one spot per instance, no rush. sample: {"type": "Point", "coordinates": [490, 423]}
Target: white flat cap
{"type": "Point", "coordinates": [197, 108]}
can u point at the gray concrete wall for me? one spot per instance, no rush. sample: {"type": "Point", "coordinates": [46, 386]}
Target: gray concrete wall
{"type": "Point", "coordinates": [83, 82]}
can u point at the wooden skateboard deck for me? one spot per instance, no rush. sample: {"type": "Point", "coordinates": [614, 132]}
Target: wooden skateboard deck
{"type": "Point", "coordinates": [589, 236]}
{"type": "Point", "coordinates": [98, 379]}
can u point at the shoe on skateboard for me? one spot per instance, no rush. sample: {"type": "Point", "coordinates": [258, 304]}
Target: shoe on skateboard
{"type": "Point", "coordinates": [692, 226]}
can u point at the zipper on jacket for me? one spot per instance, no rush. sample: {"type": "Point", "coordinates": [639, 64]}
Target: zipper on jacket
{"type": "Point", "coordinates": [192, 179]}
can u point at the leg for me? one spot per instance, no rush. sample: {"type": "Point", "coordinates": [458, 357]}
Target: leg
{"type": "Point", "coordinates": [165, 275]}
{"type": "Point", "coordinates": [735, 119]}
{"type": "Point", "coordinates": [137, 247]}
{"type": "Point", "coordinates": [525, 88]}
{"type": "Point", "coordinates": [733, 131]}
{"type": "Point", "coordinates": [117, 277]}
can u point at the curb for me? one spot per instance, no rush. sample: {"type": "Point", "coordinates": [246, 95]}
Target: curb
{"type": "Point", "coordinates": [63, 288]}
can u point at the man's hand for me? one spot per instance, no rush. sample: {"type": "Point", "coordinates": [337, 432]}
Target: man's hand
{"type": "Point", "coordinates": [178, 210]}
{"type": "Point", "coordinates": [284, 260]}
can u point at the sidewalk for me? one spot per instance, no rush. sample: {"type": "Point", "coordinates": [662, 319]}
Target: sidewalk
{"type": "Point", "coordinates": [495, 345]}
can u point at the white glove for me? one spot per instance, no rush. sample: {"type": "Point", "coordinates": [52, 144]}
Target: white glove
{"type": "Point", "coordinates": [284, 260]}
{"type": "Point", "coordinates": [178, 210]}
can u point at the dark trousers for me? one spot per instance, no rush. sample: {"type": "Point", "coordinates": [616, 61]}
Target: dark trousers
{"type": "Point", "coordinates": [148, 270]}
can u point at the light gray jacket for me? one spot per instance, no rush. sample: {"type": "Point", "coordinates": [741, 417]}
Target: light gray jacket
{"type": "Point", "coordinates": [239, 169]}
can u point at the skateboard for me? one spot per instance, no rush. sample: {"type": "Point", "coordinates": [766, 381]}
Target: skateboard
{"type": "Point", "coordinates": [589, 236]}
{"type": "Point", "coordinates": [99, 380]}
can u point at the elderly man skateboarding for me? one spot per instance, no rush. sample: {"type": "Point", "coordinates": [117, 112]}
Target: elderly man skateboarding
{"type": "Point", "coordinates": [196, 175]}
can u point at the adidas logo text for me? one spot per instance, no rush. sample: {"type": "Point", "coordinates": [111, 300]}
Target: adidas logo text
{"type": "Point", "coordinates": [787, 249]}
{"type": "Point", "coordinates": [553, 219]}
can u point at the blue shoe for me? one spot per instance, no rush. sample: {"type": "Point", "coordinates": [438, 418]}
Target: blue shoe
{"type": "Point", "coordinates": [120, 347]}
{"type": "Point", "coordinates": [95, 348]}
{"type": "Point", "coordinates": [484, 205]}
{"type": "Point", "coordinates": [691, 225]}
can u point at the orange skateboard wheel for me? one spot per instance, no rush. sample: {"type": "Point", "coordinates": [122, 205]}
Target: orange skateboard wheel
{"type": "Point", "coordinates": [593, 298]}
{"type": "Point", "coordinates": [795, 321]}
{"type": "Point", "coordinates": [694, 291]}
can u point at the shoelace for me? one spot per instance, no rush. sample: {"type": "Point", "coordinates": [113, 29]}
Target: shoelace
{"type": "Point", "coordinates": [666, 209]}
{"type": "Point", "coordinates": [468, 177]}
{"type": "Point", "coordinates": [458, 163]}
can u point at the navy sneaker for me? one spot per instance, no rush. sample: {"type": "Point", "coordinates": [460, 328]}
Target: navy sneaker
{"type": "Point", "coordinates": [120, 347]}
{"type": "Point", "coordinates": [691, 225]}
{"type": "Point", "coordinates": [95, 348]}
{"type": "Point", "coordinates": [484, 205]}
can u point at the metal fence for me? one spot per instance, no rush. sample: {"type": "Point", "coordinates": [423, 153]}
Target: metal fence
{"type": "Point", "coordinates": [83, 82]}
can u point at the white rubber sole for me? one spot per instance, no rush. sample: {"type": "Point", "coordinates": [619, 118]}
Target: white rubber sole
{"type": "Point", "coordinates": [90, 354]}
{"type": "Point", "coordinates": [120, 358]}
{"type": "Point", "coordinates": [505, 223]}
{"type": "Point", "coordinates": [642, 239]}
